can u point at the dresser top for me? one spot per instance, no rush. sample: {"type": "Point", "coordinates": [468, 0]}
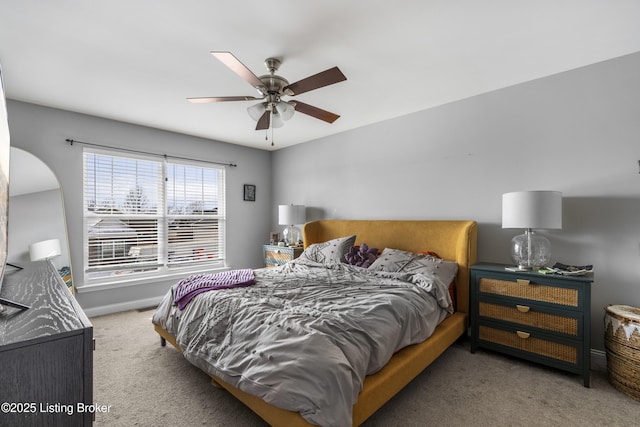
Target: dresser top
{"type": "Point", "coordinates": [53, 310]}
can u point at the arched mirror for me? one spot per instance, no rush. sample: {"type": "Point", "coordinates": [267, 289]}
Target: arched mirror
{"type": "Point", "coordinates": [36, 214]}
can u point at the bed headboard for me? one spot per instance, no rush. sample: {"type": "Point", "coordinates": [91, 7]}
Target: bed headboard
{"type": "Point", "coordinates": [453, 240]}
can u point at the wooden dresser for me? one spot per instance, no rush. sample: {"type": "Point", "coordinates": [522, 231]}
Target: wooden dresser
{"type": "Point", "coordinates": [46, 352]}
{"type": "Point", "coordinates": [541, 318]}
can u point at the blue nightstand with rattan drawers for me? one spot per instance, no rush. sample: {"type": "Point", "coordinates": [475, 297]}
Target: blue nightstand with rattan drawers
{"type": "Point", "coordinates": [541, 318]}
{"type": "Point", "coordinates": [274, 256]}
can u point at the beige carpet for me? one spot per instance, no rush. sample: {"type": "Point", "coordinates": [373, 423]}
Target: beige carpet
{"type": "Point", "coordinates": [148, 385]}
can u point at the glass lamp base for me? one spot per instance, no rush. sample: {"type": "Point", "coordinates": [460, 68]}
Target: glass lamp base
{"type": "Point", "coordinates": [291, 235]}
{"type": "Point", "coordinates": [530, 250]}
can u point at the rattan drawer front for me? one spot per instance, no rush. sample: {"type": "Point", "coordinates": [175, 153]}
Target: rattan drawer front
{"type": "Point", "coordinates": [275, 256]}
{"type": "Point", "coordinates": [537, 319]}
{"type": "Point", "coordinates": [278, 256]}
{"type": "Point", "coordinates": [531, 344]}
{"type": "Point", "coordinates": [531, 291]}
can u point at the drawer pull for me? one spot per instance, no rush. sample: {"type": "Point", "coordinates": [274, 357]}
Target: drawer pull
{"type": "Point", "coordinates": [524, 335]}
{"type": "Point", "coordinates": [522, 308]}
{"type": "Point", "coordinates": [523, 281]}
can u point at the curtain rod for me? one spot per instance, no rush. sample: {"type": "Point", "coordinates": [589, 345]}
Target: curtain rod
{"type": "Point", "coordinates": [166, 156]}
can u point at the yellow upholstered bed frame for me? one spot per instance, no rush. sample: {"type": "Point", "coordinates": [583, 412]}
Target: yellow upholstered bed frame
{"type": "Point", "coordinates": [452, 240]}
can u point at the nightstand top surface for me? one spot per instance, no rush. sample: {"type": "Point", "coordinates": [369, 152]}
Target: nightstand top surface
{"type": "Point", "coordinates": [492, 267]}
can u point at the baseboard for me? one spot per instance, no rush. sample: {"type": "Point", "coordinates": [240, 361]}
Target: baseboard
{"type": "Point", "coordinates": [125, 306]}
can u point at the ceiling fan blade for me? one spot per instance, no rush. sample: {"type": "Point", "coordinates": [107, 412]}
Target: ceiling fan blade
{"type": "Point", "coordinates": [264, 121]}
{"type": "Point", "coordinates": [221, 99]}
{"type": "Point", "coordinates": [324, 78]}
{"type": "Point", "coordinates": [240, 69]}
{"type": "Point", "coordinates": [316, 112]}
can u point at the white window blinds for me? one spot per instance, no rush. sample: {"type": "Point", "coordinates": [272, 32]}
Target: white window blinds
{"type": "Point", "coordinates": [195, 214]}
{"type": "Point", "coordinates": [145, 216]}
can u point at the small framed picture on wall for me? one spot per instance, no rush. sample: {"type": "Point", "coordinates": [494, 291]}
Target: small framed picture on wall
{"type": "Point", "coordinates": [249, 192]}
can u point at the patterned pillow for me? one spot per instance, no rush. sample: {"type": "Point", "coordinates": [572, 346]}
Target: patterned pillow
{"type": "Point", "coordinates": [330, 252]}
{"type": "Point", "coordinates": [395, 260]}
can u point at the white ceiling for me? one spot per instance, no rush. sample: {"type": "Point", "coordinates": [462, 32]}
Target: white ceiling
{"type": "Point", "coordinates": [138, 61]}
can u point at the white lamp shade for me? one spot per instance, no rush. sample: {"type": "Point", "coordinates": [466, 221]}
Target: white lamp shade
{"type": "Point", "coordinates": [532, 209]}
{"type": "Point", "coordinates": [286, 110]}
{"type": "Point", "coordinates": [257, 110]}
{"type": "Point", "coordinates": [276, 120]}
{"type": "Point", "coordinates": [282, 112]}
{"type": "Point", "coordinates": [291, 214]}
{"type": "Point", "coordinates": [44, 250]}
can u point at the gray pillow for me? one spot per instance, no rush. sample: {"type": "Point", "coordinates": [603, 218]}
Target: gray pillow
{"type": "Point", "coordinates": [396, 260]}
{"type": "Point", "coordinates": [330, 252]}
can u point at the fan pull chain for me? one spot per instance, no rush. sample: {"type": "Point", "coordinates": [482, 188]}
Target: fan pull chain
{"type": "Point", "coordinates": [266, 136]}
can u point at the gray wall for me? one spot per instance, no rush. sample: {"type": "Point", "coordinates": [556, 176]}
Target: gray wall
{"type": "Point", "coordinates": [577, 132]}
{"type": "Point", "coordinates": [42, 131]}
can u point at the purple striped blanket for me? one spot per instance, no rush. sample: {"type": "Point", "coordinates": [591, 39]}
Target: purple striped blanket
{"type": "Point", "coordinates": [195, 284]}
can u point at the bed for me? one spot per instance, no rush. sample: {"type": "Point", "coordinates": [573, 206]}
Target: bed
{"type": "Point", "coordinates": [452, 240]}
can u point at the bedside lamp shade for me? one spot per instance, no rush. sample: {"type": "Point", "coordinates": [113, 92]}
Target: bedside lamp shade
{"type": "Point", "coordinates": [531, 210]}
{"type": "Point", "coordinates": [290, 215]}
{"type": "Point", "coordinates": [44, 250]}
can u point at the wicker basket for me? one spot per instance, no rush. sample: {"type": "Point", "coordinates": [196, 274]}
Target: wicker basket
{"type": "Point", "coordinates": [622, 342]}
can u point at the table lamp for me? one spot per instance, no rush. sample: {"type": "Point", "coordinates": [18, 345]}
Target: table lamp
{"type": "Point", "coordinates": [289, 215]}
{"type": "Point", "coordinates": [46, 249]}
{"type": "Point", "coordinates": [531, 210]}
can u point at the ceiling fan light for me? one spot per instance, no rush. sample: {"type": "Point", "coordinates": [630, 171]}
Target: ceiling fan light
{"type": "Point", "coordinates": [276, 119]}
{"type": "Point", "coordinates": [257, 110]}
{"type": "Point", "coordinates": [286, 110]}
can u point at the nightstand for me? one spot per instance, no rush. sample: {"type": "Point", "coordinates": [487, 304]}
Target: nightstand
{"type": "Point", "coordinates": [274, 256]}
{"type": "Point", "coordinates": [537, 317]}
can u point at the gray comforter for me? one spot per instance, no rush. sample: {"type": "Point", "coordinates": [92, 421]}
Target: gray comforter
{"type": "Point", "coordinates": [304, 336]}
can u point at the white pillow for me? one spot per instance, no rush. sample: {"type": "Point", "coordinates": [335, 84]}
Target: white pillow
{"type": "Point", "coordinates": [396, 260]}
{"type": "Point", "coordinates": [330, 252]}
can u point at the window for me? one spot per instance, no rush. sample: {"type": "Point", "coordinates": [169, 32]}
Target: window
{"type": "Point", "coordinates": [148, 217]}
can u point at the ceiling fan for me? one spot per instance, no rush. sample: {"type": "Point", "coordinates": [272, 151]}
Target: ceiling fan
{"type": "Point", "coordinates": [272, 110]}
